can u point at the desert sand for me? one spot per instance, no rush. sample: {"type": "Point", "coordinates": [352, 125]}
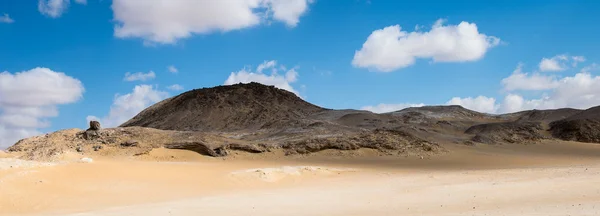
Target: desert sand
{"type": "Point", "coordinates": [550, 178]}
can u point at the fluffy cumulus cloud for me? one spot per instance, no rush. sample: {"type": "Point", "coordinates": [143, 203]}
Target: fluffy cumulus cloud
{"type": "Point", "coordinates": [175, 87]}
{"type": "Point", "coordinates": [126, 106]}
{"type": "Point", "coordinates": [166, 21]}
{"type": "Point", "coordinates": [29, 98]}
{"type": "Point", "coordinates": [390, 48]}
{"type": "Point", "coordinates": [519, 80]}
{"type": "Point", "coordinates": [581, 90]}
{"type": "Point", "coordinates": [287, 11]}
{"type": "Point", "coordinates": [139, 76]}
{"type": "Point", "coordinates": [6, 19]}
{"type": "Point", "coordinates": [545, 91]}
{"type": "Point", "coordinates": [559, 63]}
{"type": "Point", "coordinates": [282, 81]}
{"type": "Point", "coordinates": [553, 64]}
{"type": "Point", "coordinates": [384, 108]}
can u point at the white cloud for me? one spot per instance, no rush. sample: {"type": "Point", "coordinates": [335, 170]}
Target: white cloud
{"type": "Point", "coordinates": [126, 106]}
{"type": "Point", "coordinates": [139, 76]}
{"type": "Point", "coordinates": [6, 19]}
{"type": "Point", "coordinates": [28, 98]}
{"type": "Point", "coordinates": [559, 63]}
{"type": "Point", "coordinates": [266, 65]}
{"type": "Point", "coordinates": [175, 87]}
{"type": "Point", "coordinates": [515, 103]}
{"type": "Point", "coordinates": [384, 108]}
{"type": "Point", "coordinates": [53, 8]}
{"type": "Point", "coordinates": [389, 49]}
{"type": "Point", "coordinates": [288, 11]}
{"type": "Point", "coordinates": [481, 103]}
{"type": "Point", "coordinates": [172, 69]}
{"type": "Point", "coordinates": [166, 21]}
{"type": "Point", "coordinates": [280, 81]}
{"type": "Point", "coordinates": [581, 91]}
{"type": "Point", "coordinates": [556, 63]}
{"type": "Point", "coordinates": [523, 81]}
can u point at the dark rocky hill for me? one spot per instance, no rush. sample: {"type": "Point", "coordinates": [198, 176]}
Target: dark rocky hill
{"type": "Point", "coordinates": [225, 108]}
{"type": "Point", "coordinates": [451, 112]}
{"type": "Point", "coordinates": [546, 116]}
{"type": "Point", "coordinates": [583, 126]}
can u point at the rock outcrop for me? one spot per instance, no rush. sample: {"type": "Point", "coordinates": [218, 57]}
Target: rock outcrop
{"type": "Point", "coordinates": [582, 127]}
{"type": "Point", "coordinates": [507, 132]}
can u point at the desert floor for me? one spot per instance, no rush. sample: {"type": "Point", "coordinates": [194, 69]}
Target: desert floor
{"type": "Point", "coordinates": [542, 179]}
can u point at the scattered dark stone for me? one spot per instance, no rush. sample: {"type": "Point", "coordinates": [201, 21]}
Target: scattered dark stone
{"type": "Point", "coordinates": [109, 140]}
{"type": "Point", "coordinates": [221, 151]}
{"type": "Point", "coordinates": [443, 122]}
{"type": "Point", "coordinates": [130, 143]}
{"type": "Point", "coordinates": [469, 143]}
{"type": "Point", "coordinates": [97, 147]}
{"type": "Point", "coordinates": [79, 149]}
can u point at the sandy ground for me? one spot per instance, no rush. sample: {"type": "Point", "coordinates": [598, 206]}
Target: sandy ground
{"type": "Point", "coordinates": [544, 179]}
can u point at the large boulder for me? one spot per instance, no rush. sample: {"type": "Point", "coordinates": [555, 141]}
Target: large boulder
{"type": "Point", "coordinates": [94, 125]}
{"type": "Point", "coordinates": [93, 132]}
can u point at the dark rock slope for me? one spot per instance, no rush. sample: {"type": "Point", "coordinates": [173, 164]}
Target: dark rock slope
{"type": "Point", "coordinates": [225, 108]}
{"type": "Point", "coordinates": [257, 112]}
{"type": "Point", "coordinates": [583, 126]}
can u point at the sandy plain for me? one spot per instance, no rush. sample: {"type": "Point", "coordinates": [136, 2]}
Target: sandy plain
{"type": "Point", "coordinates": [550, 178]}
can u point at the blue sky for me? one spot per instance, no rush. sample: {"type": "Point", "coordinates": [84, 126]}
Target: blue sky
{"type": "Point", "coordinates": [65, 62]}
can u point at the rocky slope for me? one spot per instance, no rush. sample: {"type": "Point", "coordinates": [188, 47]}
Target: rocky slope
{"type": "Point", "coordinates": [250, 106]}
{"type": "Point", "coordinates": [583, 126]}
{"type": "Point", "coordinates": [258, 118]}
{"type": "Point", "coordinates": [546, 116]}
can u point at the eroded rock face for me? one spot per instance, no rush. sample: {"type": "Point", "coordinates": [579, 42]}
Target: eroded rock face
{"type": "Point", "coordinates": [129, 143]}
{"type": "Point", "coordinates": [580, 130]}
{"type": "Point", "coordinates": [388, 141]}
{"type": "Point", "coordinates": [507, 132]}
